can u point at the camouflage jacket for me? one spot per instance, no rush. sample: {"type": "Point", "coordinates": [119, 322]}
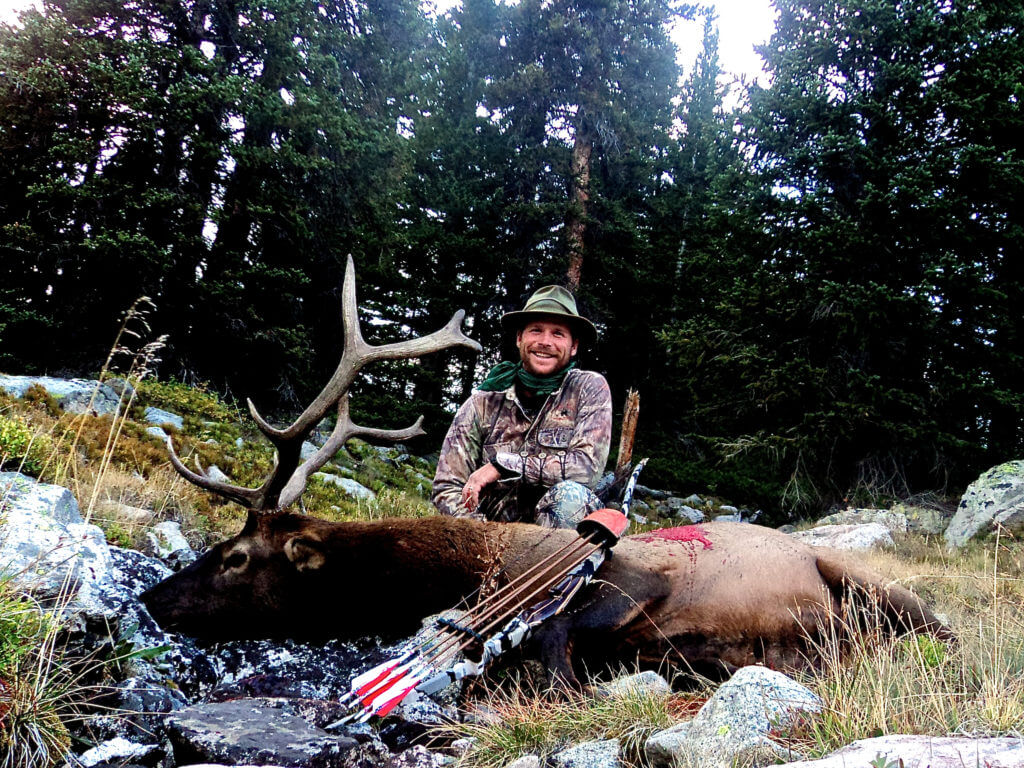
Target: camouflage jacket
{"type": "Point", "coordinates": [568, 439]}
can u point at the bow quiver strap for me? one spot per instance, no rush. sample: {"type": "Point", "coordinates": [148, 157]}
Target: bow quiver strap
{"type": "Point", "coordinates": [379, 690]}
{"type": "Point", "coordinates": [605, 527]}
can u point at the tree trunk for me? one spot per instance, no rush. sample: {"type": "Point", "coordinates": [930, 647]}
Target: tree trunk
{"type": "Point", "coordinates": [579, 196]}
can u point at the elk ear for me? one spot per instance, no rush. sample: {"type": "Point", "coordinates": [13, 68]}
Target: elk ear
{"type": "Point", "coordinates": [306, 553]}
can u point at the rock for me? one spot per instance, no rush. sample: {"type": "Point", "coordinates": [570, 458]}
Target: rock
{"type": "Point", "coordinates": [115, 749]}
{"type": "Point", "coordinates": [46, 549]}
{"type": "Point", "coordinates": [851, 537]}
{"type": "Point", "coordinates": [588, 754]}
{"type": "Point", "coordinates": [115, 510]}
{"type": "Point", "coordinates": [418, 757]}
{"type": "Point", "coordinates": [526, 761]}
{"type": "Point", "coordinates": [994, 499]}
{"type": "Point", "coordinates": [217, 474]}
{"type": "Point", "coordinates": [925, 520]}
{"type": "Point", "coordinates": [72, 395]}
{"type": "Point", "coordinates": [735, 724]}
{"type": "Point", "coordinates": [896, 522]}
{"type": "Point", "coordinates": [931, 751]}
{"type": "Point", "coordinates": [678, 507]}
{"type": "Point", "coordinates": [463, 746]}
{"type": "Point", "coordinates": [649, 682]}
{"type": "Point", "coordinates": [690, 514]}
{"type": "Point", "coordinates": [158, 433]}
{"type": "Point", "coordinates": [351, 487]}
{"type": "Point", "coordinates": [140, 705]}
{"type": "Point", "coordinates": [694, 500]}
{"type": "Point", "coordinates": [167, 543]}
{"type": "Point", "coordinates": [307, 450]}
{"type": "Point", "coordinates": [287, 668]}
{"type": "Point", "coordinates": [650, 494]}
{"type": "Point", "coordinates": [122, 388]}
{"type": "Point", "coordinates": [729, 517]}
{"type": "Point", "coordinates": [729, 510]}
{"type": "Point", "coordinates": [161, 418]}
{"type": "Point", "coordinates": [244, 731]}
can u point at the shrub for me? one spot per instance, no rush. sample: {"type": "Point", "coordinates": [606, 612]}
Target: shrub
{"type": "Point", "coordinates": [21, 447]}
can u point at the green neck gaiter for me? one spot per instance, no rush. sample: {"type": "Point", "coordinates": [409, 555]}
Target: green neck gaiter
{"type": "Point", "coordinates": [504, 375]}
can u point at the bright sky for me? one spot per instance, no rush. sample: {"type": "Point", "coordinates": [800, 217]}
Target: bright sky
{"type": "Point", "coordinates": [742, 24]}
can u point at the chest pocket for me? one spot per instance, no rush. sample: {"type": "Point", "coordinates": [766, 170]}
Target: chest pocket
{"type": "Point", "coordinates": [555, 437]}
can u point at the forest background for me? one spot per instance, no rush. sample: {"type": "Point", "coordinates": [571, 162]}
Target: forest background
{"type": "Point", "coordinates": [817, 291]}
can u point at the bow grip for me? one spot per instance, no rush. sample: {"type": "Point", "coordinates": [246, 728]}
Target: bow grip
{"type": "Point", "coordinates": [606, 525]}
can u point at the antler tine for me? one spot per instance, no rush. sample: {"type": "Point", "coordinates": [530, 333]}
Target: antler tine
{"type": "Point", "coordinates": [449, 336]}
{"type": "Point", "coordinates": [247, 497]}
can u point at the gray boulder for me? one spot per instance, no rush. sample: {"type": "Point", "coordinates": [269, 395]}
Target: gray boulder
{"type": "Point", "coordinates": [526, 761]}
{"type": "Point", "coordinates": [735, 725]}
{"type": "Point", "coordinates": [925, 520]}
{"type": "Point", "coordinates": [161, 418]}
{"type": "Point", "coordinates": [647, 683]}
{"type": "Point", "coordinates": [996, 499]}
{"type": "Point", "coordinates": [72, 395]}
{"type": "Point", "coordinates": [217, 474]}
{"type": "Point", "coordinates": [117, 749]}
{"type": "Point", "coordinates": [166, 542]}
{"type": "Point", "coordinates": [678, 507]}
{"type": "Point", "coordinates": [158, 432]}
{"type": "Point", "coordinates": [248, 731]}
{"type": "Point", "coordinates": [850, 537]}
{"type": "Point", "coordinates": [931, 751]}
{"type": "Point", "coordinates": [46, 548]}
{"type": "Point", "coordinates": [588, 754]}
{"type": "Point", "coordinates": [351, 487]}
{"type": "Point", "coordinates": [895, 521]}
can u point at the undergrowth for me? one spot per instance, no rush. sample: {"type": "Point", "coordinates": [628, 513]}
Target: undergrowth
{"type": "Point", "coordinates": [517, 720]}
{"type": "Point", "coordinates": [39, 696]}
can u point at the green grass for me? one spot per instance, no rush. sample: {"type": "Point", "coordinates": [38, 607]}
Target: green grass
{"type": "Point", "coordinates": [37, 695]}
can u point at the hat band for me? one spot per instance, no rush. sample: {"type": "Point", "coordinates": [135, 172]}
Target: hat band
{"type": "Point", "coordinates": [549, 306]}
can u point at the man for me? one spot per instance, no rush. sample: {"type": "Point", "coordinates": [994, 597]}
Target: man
{"type": "Point", "coordinates": [531, 442]}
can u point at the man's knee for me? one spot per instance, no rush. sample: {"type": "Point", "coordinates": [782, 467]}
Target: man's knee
{"type": "Point", "coordinates": [565, 504]}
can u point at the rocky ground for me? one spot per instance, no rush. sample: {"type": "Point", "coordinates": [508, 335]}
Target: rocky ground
{"type": "Point", "coordinates": [173, 703]}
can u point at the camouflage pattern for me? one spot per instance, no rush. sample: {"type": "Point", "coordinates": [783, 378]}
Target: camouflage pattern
{"type": "Point", "coordinates": [565, 504]}
{"type": "Point", "coordinates": [567, 440]}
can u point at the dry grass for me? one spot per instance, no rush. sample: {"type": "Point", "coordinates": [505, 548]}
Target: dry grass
{"type": "Point", "coordinates": [515, 720]}
{"type": "Point", "coordinates": [878, 685]}
{"type": "Point", "coordinates": [917, 685]}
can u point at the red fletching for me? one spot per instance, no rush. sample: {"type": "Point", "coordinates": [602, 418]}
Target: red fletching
{"type": "Point", "coordinates": [392, 703]}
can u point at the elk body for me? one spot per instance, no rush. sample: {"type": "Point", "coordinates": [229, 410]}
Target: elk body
{"type": "Point", "coordinates": [719, 595]}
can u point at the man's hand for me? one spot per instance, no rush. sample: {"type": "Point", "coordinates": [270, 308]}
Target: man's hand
{"type": "Point", "coordinates": [483, 477]}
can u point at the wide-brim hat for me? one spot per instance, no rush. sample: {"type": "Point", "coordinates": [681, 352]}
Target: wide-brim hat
{"type": "Point", "coordinates": [547, 302]}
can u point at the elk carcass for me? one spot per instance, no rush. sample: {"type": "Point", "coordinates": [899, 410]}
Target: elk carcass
{"type": "Point", "coordinates": [713, 596]}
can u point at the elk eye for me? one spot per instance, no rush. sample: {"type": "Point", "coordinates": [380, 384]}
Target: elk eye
{"type": "Point", "coordinates": [235, 560]}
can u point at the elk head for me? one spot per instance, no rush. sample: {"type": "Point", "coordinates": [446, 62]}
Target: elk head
{"type": "Point", "coordinates": [263, 581]}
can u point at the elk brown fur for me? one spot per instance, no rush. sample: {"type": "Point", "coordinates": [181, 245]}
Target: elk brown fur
{"type": "Point", "coordinates": [713, 596]}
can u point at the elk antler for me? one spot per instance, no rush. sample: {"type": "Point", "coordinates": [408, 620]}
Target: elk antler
{"type": "Point", "coordinates": [288, 478]}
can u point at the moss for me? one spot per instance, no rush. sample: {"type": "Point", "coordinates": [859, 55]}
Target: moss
{"type": "Point", "coordinates": [198, 402]}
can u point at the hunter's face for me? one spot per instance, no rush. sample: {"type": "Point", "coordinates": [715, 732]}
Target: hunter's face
{"type": "Point", "coordinates": [545, 346]}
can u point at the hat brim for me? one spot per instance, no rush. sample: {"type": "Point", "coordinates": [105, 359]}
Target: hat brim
{"type": "Point", "coordinates": [582, 328]}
